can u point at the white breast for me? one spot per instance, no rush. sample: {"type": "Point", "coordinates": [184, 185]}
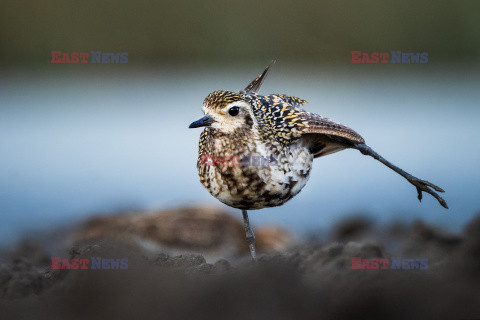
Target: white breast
{"type": "Point", "coordinates": [294, 164]}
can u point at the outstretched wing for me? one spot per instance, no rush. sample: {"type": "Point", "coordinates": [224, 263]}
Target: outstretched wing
{"type": "Point", "coordinates": [326, 136]}
{"type": "Point", "coordinates": [255, 85]}
{"type": "Point", "coordinates": [334, 130]}
{"type": "Point", "coordinates": [280, 118]}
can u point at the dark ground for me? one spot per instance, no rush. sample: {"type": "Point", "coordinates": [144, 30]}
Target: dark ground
{"type": "Point", "coordinates": [312, 279]}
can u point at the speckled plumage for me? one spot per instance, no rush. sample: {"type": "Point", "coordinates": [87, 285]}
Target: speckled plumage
{"type": "Point", "coordinates": [270, 127]}
{"type": "Point", "coordinates": [273, 126]}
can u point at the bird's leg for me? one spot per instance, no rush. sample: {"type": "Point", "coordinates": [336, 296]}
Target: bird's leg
{"type": "Point", "coordinates": [421, 185]}
{"type": "Point", "coordinates": [250, 235]}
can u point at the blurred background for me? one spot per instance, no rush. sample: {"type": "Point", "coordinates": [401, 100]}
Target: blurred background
{"type": "Point", "coordinates": [79, 139]}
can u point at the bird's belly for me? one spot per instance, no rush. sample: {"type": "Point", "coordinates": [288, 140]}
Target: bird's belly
{"type": "Point", "coordinates": [262, 184]}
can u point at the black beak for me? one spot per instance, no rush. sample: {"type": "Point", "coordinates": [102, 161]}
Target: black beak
{"type": "Point", "coordinates": [204, 122]}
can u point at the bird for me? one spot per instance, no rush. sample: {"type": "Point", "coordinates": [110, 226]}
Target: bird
{"type": "Point", "coordinates": [256, 151]}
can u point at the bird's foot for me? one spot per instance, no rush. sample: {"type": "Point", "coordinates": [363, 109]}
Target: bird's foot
{"type": "Point", "coordinates": [425, 186]}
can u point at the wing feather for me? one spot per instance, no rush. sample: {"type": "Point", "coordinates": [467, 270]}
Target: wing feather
{"type": "Point", "coordinates": [280, 118]}
{"type": "Point", "coordinates": [336, 131]}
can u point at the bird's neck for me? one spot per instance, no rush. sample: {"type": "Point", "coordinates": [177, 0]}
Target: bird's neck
{"type": "Point", "coordinates": [238, 142]}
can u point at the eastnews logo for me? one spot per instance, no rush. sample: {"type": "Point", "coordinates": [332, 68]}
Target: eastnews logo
{"type": "Point", "coordinates": [384, 57]}
{"type": "Point", "coordinates": [95, 57]}
{"type": "Point", "coordinates": [397, 263]}
{"type": "Point", "coordinates": [209, 160]}
{"type": "Point", "coordinates": [96, 263]}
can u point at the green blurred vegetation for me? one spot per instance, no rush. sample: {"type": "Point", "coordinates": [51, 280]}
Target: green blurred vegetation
{"type": "Point", "coordinates": [181, 31]}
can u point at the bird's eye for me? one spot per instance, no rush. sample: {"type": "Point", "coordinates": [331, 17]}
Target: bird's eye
{"type": "Point", "coordinates": [233, 111]}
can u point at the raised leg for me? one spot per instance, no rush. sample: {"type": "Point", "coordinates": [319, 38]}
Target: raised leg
{"type": "Point", "coordinates": [250, 235]}
{"type": "Point", "coordinates": [421, 185]}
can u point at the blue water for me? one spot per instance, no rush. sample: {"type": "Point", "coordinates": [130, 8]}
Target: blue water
{"type": "Point", "coordinates": [77, 143]}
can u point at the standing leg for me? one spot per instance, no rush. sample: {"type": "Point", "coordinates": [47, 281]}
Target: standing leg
{"type": "Point", "coordinates": [250, 235]}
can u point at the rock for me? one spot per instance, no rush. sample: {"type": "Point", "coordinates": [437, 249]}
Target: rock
{"type": "Point", "coordinates": [208, 231]}
{"type": "Point", "coordinates": [20, 278]}
{"type": "Point", "coordinates": [305, 281]}
{"type": "Point", "coordinates": [352, 229]}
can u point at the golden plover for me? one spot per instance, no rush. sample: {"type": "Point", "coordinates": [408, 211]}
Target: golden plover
{"type": "Point", "coordinates": [256, 151]}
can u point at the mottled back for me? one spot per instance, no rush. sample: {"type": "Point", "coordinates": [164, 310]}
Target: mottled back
{"type": "Point", "coordinates": [281, 119]}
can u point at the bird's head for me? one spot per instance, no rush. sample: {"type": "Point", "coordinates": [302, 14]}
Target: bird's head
{"type": "Point", "coordinates": [225, 111]}
{"type": "Point", "coordinates": [229, 111]}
